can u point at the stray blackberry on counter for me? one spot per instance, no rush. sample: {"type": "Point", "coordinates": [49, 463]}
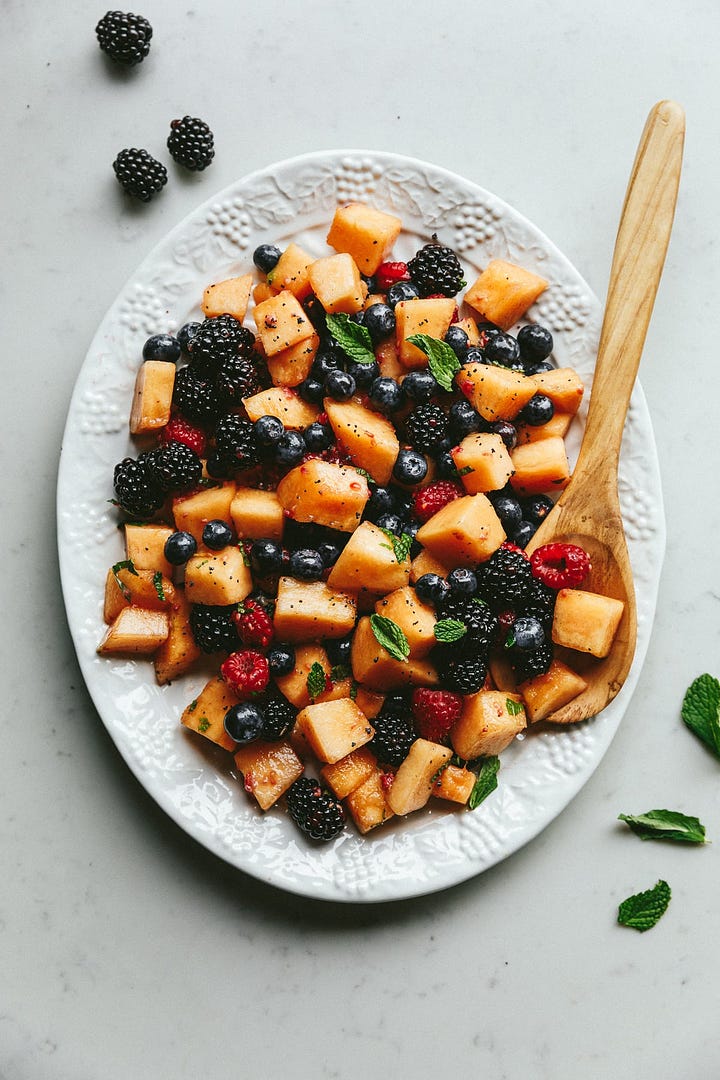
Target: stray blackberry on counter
{"type": "Point", "coordinates": [314, 810]}
{"type": "Point", "coordinates": [135, 489]}
{"type": "Point", "coordinates": [436, 269]}
{"type": "Point", "coordinates": [190, 143]}
{"type": "Point", "coordinates": [213, 627]}
{"type": "Point", "coordinates": [124, 37]}
{"type": "Point", "coordinates": [139, 174]}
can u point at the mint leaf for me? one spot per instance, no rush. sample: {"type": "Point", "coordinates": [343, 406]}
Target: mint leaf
{"type": "Point", "coordinates": [665, 825]}
{"type": "Point", "coordinates": [316, 680]}
{"type": "Point", "coordinates": [125, 564]}
{"type": "Point", "coordinates": [203, 724]}
{"type": "Point", "coordinates": [354, 340]}
{"type": "Point", "coordinates": [450, 630]}
{"type": "Point", "coordinates": [340, 672]}
{"type": "Point", "coordinates": [486, 781]}
{"type": "Point", "coordinates": [643, 910]}
{"type": "Point", "coordinates": [465, 470]}
{"type": "Point", "coordinates": [513, 707]}
{"type": "Point", "coordinates": [353, 690]}
{"type": "Point", "coordinates": [157, 582]}
{"type": "Point", "coordinates": [400, 544]}
{"type": "Point", "coordinates": [701, 710]}
{"type": "Point", "coordinates": [390, 636]}
{"type": "Point", "coordinates": [442, 361]}
{"type": "Point", "coordinates": [363, 472]}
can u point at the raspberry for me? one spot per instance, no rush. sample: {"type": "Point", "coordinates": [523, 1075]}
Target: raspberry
{"type": "Point", "coordinates": [180, 430]}
{"type": "Point", "coordinates": [432, 498]}
{"type": "Point", "coordinates": [560, 566]}
{"type": "Point", "coordinates": [508, 545]}
{"type": "Point", "coordinates": [314, 810]}
{"type": "Point", "coordinates": [246, 672]}
{"type": "Point", "coordinates": [435, 712]}
{"type": "Point", "coordinates": [390, 272]}
{"type": "Point", "coordinates": [253, 623]}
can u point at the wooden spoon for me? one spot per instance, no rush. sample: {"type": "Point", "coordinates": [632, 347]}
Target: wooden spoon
{"type": "Point", "coordinates": [588, 511]}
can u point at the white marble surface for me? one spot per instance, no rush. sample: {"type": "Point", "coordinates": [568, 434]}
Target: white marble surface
{"type": "Point", "coordinates": [125, 949]}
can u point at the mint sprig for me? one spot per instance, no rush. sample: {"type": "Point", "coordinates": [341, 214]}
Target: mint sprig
{"type": "Point", "coordinates": [158, 586]}
{"type": "Point", "coordinates": [353, 339]}
{"type": "Point", "coordinates": [400, 544]}
{"type": "Point", "coordinates": [642, 911]}
{"type": "Point", "coordinates": [701, 710]}
{"type": "Point", "coordinates": [316, 681]}
{"type": "Point", "coordinates": [124, 564]}
{"type": "Point", "coordinates": [513, 707]}
{"type": "Point", "coordinates": [486, 781]}
{"type": "Point", "coordinates": [665, 825]}
{"type": "Point", "coordinates": [442, 361]}
{"type": "Point", "coordinates": [390, 636]}
{"type": "Point", "coordinates": [449, 630]}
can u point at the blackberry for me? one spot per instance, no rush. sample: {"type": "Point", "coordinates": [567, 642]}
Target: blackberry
{"type": "Point", "coordinates": [479, 620]}
{"type": "Point", "coordinates": [394, 731]}
{"type": "Point", "coordinates": [135, 490]}
{"type": "Point", "coordinates": [124, 37]}
{"type": "Point", "coordinates": [190, 143]}
{"type": "Point", "coordinates": [463, 673]}
{"type": "Point", "coordinates": [527, 665]}
{"type": "Point", "coordinates": [540, 603]}
{"type": "Point", "coordinates": [236, 379]}
{"type": "Point", "coordinates": [278, 717]}
{"type": "Point", "coordinates": [213, 627]}
{"type": "Point", "coordinates": [436, 269]}
{"type": "Point", "coordinates": [314, 810]}
{"type": "Point", "coordinates": [194, 396]}
{"type": "Point", "coordinates": [505, 578]}
{"type": "Point", "coordinates": [139, 174]}
{"type": "Point", "coordinates": [218, 340]}
{"type": "Point", "coordinates": [426, 426]}
{"type": "Point", "coordinates": [235, 441]}
{"type": "Point", "coordinates": [174, 467]}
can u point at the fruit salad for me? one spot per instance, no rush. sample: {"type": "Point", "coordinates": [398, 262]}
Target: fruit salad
{"type": "Point", "coordinates": [343, 464]}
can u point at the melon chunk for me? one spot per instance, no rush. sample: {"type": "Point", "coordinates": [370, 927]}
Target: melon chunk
{"type": "Point", "coordinates": [334, 729]}
{"type": "Point", "coordinates": [349, 772]}
{"type": "Point", "coordinates": [206, 713]}
{"type": "Point", "coordinates": [285, 404]}
{"type": "Point", "coordinates": [563, 386]}
{"type": "Point", "coordinates": [291, 366]}
{"type": "Point", "coordinates": [229, 297]}
{"type": "Point", "coordinates": [263, 291]}
{"type": "Point", "coordinates": [388, 360]}
{"type": "Point", "coordinates": [256, 514]}
{"type": "Point", "coordinates": [489, 722]}
{"type": "Point", "coordinates": [134, 632]}
{"type": "Point", "coordinates": [368, 562]}
{"type": "Point", "coordinates": [414, 780]}
{"type": "Point", "coordinates": [471, 329]}
{"type": "Point", "coordinates": [425, 563]}
{"type": "Point", "coordinates": [546, 693]}
{"type": "Point", "coordinates": [496, 392]}
{"type": "Point", "coordinates": [294, 686]}
{"type": "Point", "coordinates": [291, 272]}
{"type": "Point", "coordinates": [368, 437]}
{"type": "Point", "coordinates": [336, 282]}
{"type": "Point", "coordinates": [483, 462]}
{"type": "Point", "coordinates": [152, 397]}
{"type": "Point", "coordinates": [559, 424]}
{"type": "Point", "coordinates": [540, 466]}
{"type": "Point", "coordinates": [145, 547]}
{"type": "Point", "coordinates": [281, 322]}
{"type": "Point", "coordinates": [192, 512]}
{"type": "Point", "coordinates": [367, 804]}
{"type": "Point", "coordinates": [415, 619]}
{"type": "Point", "coordinates": [454, 784]}
{"type": "Point", "coordinates": [217, 577]}
{"type": "Point", "coordinates": [465, 532]}
{"type": "Point", "coordinates": [586, 621]}
{"type": "Point", "coordinates": [369, 702]}
{"type": "Point", "coordinates": [147, 589]}
{"type": "Point", "coordinates": [365, 233]}
{"type": "Point", "coordinates": [375, 668]}
{"type": "Point", "coordinates": [310, 610]}
{"type": "Point", "coordinates": [178, 652]}
{"type": "Point", "coordinates": [431, 317]}
{"type": "Point", "coordinates": [503, 292]}
{"type": "Point", "coordinates": [328, 494]}
{"type": "Point", "coordinates": [268, 770]}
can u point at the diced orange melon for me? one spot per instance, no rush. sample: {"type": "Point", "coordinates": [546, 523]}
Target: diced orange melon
{"type": "Point", "coordinates": [291, 272]}
{"type": "Point", "coordinates": [294, 685]}
{"type": "Point", "coordinates": [334, 729]}
{"type": "Point", "coordinates": [349, 772]}
{"type": "Point", "coordinates": [134, 632]}
{"type": "Point", "coordinates": [328, 494]}
{"type": "Point", "coordinates": [312, 610]}
{"type": "Point", "coordinates": [284, 403]}
{"type": "Point", "coordinates": [336, 282]}
{"type": "Point", "coordinates": [414, 780]}
{"type": "Point", "coordinates": [388, 360]}
{"type": "Point", "coordinates": [454, 784]}
{"type": "Point", "coordinates": [178, 652]}
{"type": "Point", "coordinates": [145, 547]}
{"type": "Point", "coordinates": [257, 514]}
{"type": "Point", "coordinates": [192, 512]}
{"type": "Point", "coordinates": [563, 386]}
{"type": "Point", "coordinates": [368, 437]}
{"type": "Point", "coordinates": [144, 588]}
{"type": "Point", "coordinates": [425, 563]}
{"type": "Point", "coordinates": [415, 619]}
{"type": "Point", "coordinates": [367, 804]}
{"type": "Point", "coordinates": [540, 466]}
{"type": "Point", "coordinates": [466, 531]}
{"type": "Point", "coordinates": [488, 723]}
{"type": "Point", "coordinates": [230, 297]}
{"type": "Point", "coordinates": [586, 621]}
{"type": "Point", "coordinates": [152, 397]}
{"type": "Point", "coordinates": [291, 366]}
{"type": "Point", "coordinates": [546, 693]}
{"type": "Point", "coordinates": [365, 233]}
{"type": "Point", "coordinates": [217, 577]}
{"type": "Point", "coordinates": [281, 323]}
{"type": "Point", "coordinates": [375, 668]}
{"type": "Point", "coordinates": [504, 292]}
{"type": "Point", "coordinates": [471, 329]}
{"type": "Point", "coordinates": [368, 702]}
{"type": "Point", "coordinates": [559, 424]}
{"type": "Point", "coordinates": [206, 713]}
{"type": "Point", "coordinates": [263, 291]}
{"type": "Point", "coordinates": [431, 317]}
{"type": "Point", "coordinates": [501, 672]}
{"type": "Point", "coordinates": [496, 392]}
{"type": "Point", "coordinates": [368, 562]}
{"type": "Point", "coordinates": [483, 462]}
{"type": "Point", "coordinates": [268, 770]}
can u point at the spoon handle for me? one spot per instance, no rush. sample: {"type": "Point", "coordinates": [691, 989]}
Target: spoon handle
{"type": "Point", "coordinates": [638, 259]}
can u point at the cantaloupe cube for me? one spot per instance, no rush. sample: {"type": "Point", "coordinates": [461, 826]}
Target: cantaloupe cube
{"type": "Point", "coordinates": [425, 563]}
{"type": "Point", "coordinates": [178, 651]}
{"type": "Point", "coordinates": [431, 317]}
{"type": "Point", "coordinates": [466, 531]}
{"type": "Point", "coordinates": [368, 562]}
{"type": "Point", "coordinates": [334, 729]}
{"type": "Point", "coordinates": [256, 514]}
{"type": "Point", "coordinates": [191, 513]}
{"type": "Point", "coordinates": [559, 425]}
{"type": "Point", "coordinates": [546, 693]}
{"type": "Point", "coordinates": [373, 298]}
{"type": "Point", "coordinates": [367, 804]}
{"type": "Point", "coordinates": [285, 404]}
{"type": "Point", "coordinates": [147, 589]}
{"type": "Point", "coordinates": [268, 770]}
{"type": "Point", "coordinates": [263, 291]}
{"type": "Point", "coordinates": [388, 360]}
{"type": "Point", "coordinates": [206, 713]}
{"type": "Point", "coordinates": [586, 621]}
{"type": "Point", "coordinates": [483, 462]}
{"type": "Point", "coordinates": [281, 322]}
{"type": "Point", "coordinates": [414, 780]}
{"type": "Point", "coordinates": [375, 668]}
{"type": "Point", "coordinates": [152, 397]}
{"type": "Point", "coordinates": [145, 547]}
{"type": "Point", "coordinates": [294, 685]}
{"type": "Point", "coordinates": [134, 632]}
{"type": "Point", "coordinates": [229, 297]}
{"type": "Point", "coordinates": [349, 772]}
{"type": "Point", "coordinates": [540, 466]}
{"type": "Point", "coordinates": [454, 784]}
{"type": "Point", "coordinates": [563, 386]}
{"type": "Point", "coordinates": [291, 366]}
{"type": "Point", "coordinates": [336, 282]}
{"type": "Point", "coordinates": [365, 233]}
{"type": "Point", "coordinates": [368, 702]}
{"type": "Point", "coordinates": [501, 672]}
{"type": "Point", "coordinates": [471, 329]}
{"type": "Point", "coordinates": [217, 577]}
{"type": "Point", "coordinates": [489, 722]}
{"type": "Point", "coordinates": [328, 494]}
{"type": "Point", "coordinates": [291, 272]}
{"type": "Point", "coordinates": [496, 392]}
{"type": "Point", "coordinates": [368, 437]}
{"type": "Point", "coordinates": [415, 619]}
{"type": "Point", "coordinates": [311, 610]}
{"type": "Point", "coordinates": [503, 292]}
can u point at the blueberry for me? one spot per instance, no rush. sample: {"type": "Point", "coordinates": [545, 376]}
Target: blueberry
{"type": "Point", "coordinates": [265, 557]}
{"type": "Point", "coordinates": [432, 589]}
{"type": "Point", "coordinates": [243, 722]}
{"type": "Point", "coordinates": [371, 283]}
{"type": "Point", "coordinates": [403, 502]}
{"type": "Point", "coordinates": [217, 535]}
{"type": "Point", "coordinates": [358, 317]}
{"type": "Point", "coordinates": [475, 355]}
{"type": "Point", "coordinates": [325, 362]}
{"type": "Point", "coordinates": [391, 522]}
{"type": "Point", "coordinates": [503, 349]}
{"type": "Point", "coordinates": [162, 347]}
{"type": "Point", "coordinates": [329, 553]}
{"type": "Point", "coordinates": [506, 431]}
{"type": "Point", "coordinates": [186, 333]}
{"type": "Point", "coordinates": [410, 467]}
{"type": "Point", "coordinates": [318, 436]}
{"type": "Point", "coordinates": [290, 449]}
{"type": "Point", "coordinates": [316, 313]}
{"type": "Point", "coordinates": [380, 322]}
{"type": "Point", "coordinates": [523, 533]}
{"type": "Point", "coordinates": [386, 394]}
{"type": "Point", "coordinates": [266, 257]}
{"type": "Point", "coordinates": [419, 385]}
{"type": "Point", "coordinates": [445, 465]}
{"type": "Point", "coordinates": [486, 331]}
{"type": "Point", "coordinates": [462, 582]}
{"type": "Point", "coordinates": [339, 385]}
{"type": "Point", "coordinates": [281, 659]}
{"type": "Point", "coordinates": [509, 511]}
{"type": "Point", "coordinates": [457, 339]}
{"type": "Point", "coordinates": [363, 374]}
{"type": "Point", "coordinates": [179, 547]}
{"type": "Point", "coordinates": [536, 508]}
{"type": "Point", "coordinates": [339, 649]}
{"type": "Point", "coordinates": [537, 369]}
{"type": "Point", "coordinates": [312, 390]}
{"type": "Point", "coordinates": [401, 290]}
{"type": "Point", "coordinates": [411, 528]}
{"type": "Point", "coordinates": [539, 410]}
{"type": "Point", "coordinates": [381, 501]}
{"type": "Point", "coordinates": [536, 343]}
{"type": "Point", "coordinates": [217, 466]}
{"type": "Point", "coordinates": [528, 633]}
{"type": "Point", "coordinates": [268, 430]}
{"type": "Point", "coordinates": [306, 564]}
{"type": "Point", "coordinates": [464, 420]}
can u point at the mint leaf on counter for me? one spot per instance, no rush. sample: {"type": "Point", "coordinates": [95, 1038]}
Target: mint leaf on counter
{"type": "Point", "coordinates": [665, 825]}
{"type": "Point", "coordinates": [354, 340]}
{"type": "Point", "coordinates": [642, 911]}
{"type": "Point", "coordinates": [486, 781]}
{"type": "Point", "coordinates": [442, 361]}
{"type": "Point", "coordinates": [391, 637]}
{"type": "Point", "coordinates": [701, 710]}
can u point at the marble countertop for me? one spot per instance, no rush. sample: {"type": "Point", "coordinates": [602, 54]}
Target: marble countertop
{"type": "Point", "coordinates": [125, 948]}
